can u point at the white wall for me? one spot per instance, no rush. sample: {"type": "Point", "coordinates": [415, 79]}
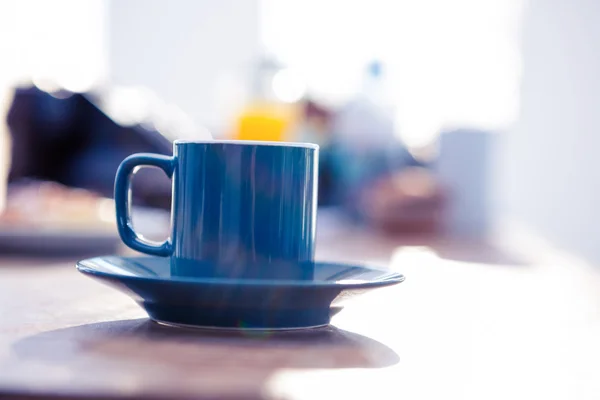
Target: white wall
{"type": "Point", "coordinates": [53, 43]}
{"type": "Point", "coordinates": [447, 63]}
{"type": "Point", "coordinates": [551, 160]}
{"type": "Point", "coordinates": [192, 53]}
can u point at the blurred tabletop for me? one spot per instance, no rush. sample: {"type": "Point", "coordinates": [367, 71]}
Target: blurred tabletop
{"type": "Point", "coordinates": [471, 321]}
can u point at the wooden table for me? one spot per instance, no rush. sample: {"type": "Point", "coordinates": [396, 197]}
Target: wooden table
{"type": "Point", "coordinates": [468, 322]}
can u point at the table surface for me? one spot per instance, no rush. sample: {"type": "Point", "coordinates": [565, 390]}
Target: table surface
{"type": "Point", "coordinates": [470, 321]}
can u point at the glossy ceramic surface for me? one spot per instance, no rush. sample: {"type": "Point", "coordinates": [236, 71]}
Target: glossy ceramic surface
{"type": "Point", "coordinates": [259, 302]}
{"type": "Point", "coordinates": [234, 203]}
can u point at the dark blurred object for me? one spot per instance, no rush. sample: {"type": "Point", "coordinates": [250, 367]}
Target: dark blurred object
{"type": "Point", "coordinates": [315, 127]}
{"type": "Point", "coordinates": [408, 201]}
{"type": "Point", "coordinates": [388, 189]}
{"type": "Point", "coordinates": [315, 124]}
{"type": "Point", "coordinates": [356, 169]}
{"type": "Point", "coordinates": [64, 137]}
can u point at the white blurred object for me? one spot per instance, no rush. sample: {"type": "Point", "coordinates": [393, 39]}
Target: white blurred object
{"type": "Point", "coordinates": [367, 120]}
{"type": "Point", "coordinates": [464, 168]}
{"type": "Point", "coordinates": [131, 105]}
{"type": "Point", "coordinates": [288, 86]}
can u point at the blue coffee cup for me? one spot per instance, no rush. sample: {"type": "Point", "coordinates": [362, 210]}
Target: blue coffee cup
{"type": "Point", "coordinates": [240, 209]}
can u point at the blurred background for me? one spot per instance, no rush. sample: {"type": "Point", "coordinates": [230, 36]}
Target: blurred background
{"type": "Point", "coordinates": [435, 119]}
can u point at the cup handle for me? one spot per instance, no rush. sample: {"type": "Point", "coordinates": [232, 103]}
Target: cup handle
{"type": "Point", "coordinates": [123, 202]}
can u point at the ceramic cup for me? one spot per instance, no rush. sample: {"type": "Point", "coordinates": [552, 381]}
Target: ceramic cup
{"type": "Point", "coordinates": [240, 209]}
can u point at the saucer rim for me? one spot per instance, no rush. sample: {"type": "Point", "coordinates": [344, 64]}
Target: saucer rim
{"type": "Point", "coordinates": [395, 277]}
{"type": "Point", "coordinates": [225, 329]}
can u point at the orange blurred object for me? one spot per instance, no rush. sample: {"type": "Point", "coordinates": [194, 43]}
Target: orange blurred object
{"type": "Point", "coordinates": [267, 122]}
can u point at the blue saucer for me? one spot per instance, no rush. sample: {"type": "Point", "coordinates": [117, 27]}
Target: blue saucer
{"type": "Point", "coordinates": [247, 303]}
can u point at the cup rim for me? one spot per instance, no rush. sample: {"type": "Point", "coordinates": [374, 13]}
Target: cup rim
{"type": "Point", "coordinates": [248, 143]}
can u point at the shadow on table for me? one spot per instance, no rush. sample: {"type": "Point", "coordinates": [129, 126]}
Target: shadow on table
{"type": "Point", "coordinates": [144, 342]}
